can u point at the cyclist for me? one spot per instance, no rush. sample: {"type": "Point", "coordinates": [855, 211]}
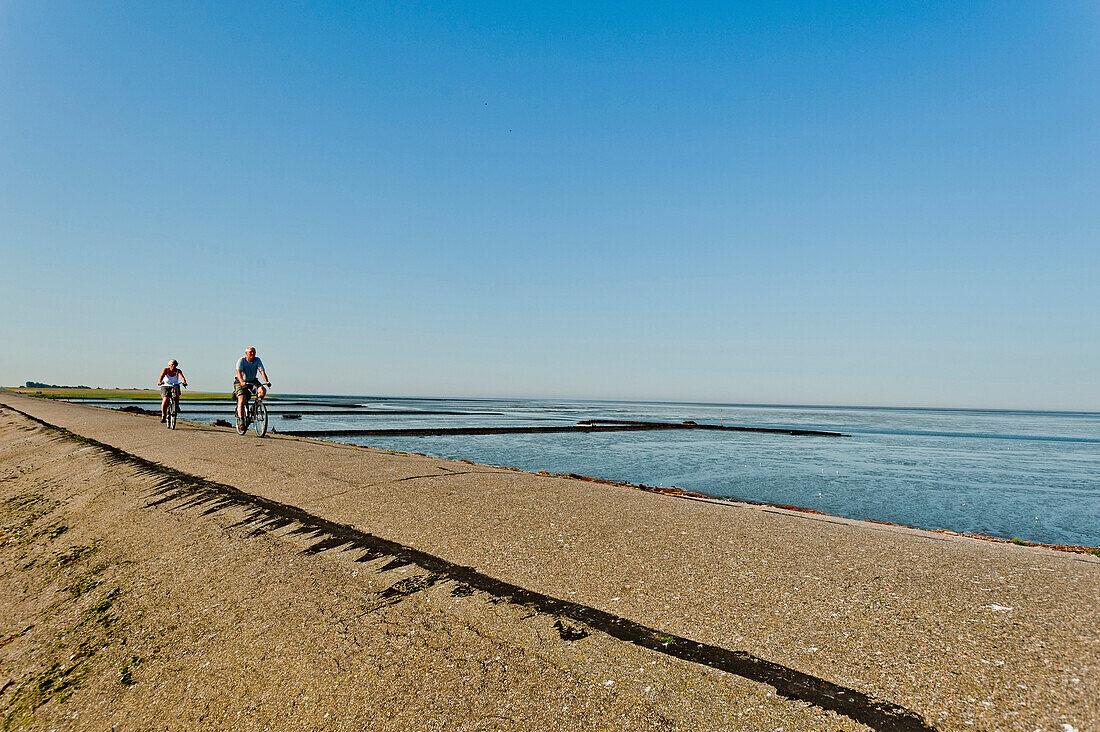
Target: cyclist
{"type": "Point", "coordinates": [170, 379]}
{"type": "Point", "coordinates": [246, 384]}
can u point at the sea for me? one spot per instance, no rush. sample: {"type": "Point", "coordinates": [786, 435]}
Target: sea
{"type": "Point", "coordinates": [1027, 475]}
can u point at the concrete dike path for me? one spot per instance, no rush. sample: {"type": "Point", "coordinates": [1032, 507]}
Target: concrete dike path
{"type": "Point", "coordinates": [197, 579]}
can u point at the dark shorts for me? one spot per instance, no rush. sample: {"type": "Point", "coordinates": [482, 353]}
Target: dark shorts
{"type": "Point", "coordinates": [244, 389]}
{"type": "Point", "coordinates": [168, 389]}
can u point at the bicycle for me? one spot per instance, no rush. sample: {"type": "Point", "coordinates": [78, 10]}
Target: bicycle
{"type": "Point", "coordinates": [255, 414]}
{"type": "Point", "coordinates": [173, 406]}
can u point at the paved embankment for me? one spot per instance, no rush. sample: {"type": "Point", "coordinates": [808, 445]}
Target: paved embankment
{"type": "Point", "coordinates": [286, 583]}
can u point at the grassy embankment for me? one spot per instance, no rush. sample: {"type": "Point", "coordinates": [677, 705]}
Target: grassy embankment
{"type": "Point", "coordinates": [64, 393]}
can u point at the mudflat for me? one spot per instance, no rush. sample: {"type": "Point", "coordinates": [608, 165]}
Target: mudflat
{"type": "Point", "coordinates": [196, 579]}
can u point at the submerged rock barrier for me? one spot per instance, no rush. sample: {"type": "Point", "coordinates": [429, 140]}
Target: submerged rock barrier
{"type": "Point", "coordinates": [589, 425]}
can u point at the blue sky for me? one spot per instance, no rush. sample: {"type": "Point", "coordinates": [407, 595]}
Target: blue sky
{"type": "Point", "coordinates": [860, 203]}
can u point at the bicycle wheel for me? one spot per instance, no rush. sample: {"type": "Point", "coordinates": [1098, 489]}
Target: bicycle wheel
{"type": "Point", "coordinates": [259, 418]}
{"type": "Point", "coordinates": [170, 415]}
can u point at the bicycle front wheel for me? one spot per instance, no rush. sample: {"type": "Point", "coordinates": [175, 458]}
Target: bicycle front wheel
{"type": "Point", "coordinates": [259, 420]}
{"type": "Point", "coordinates": [170, 416]}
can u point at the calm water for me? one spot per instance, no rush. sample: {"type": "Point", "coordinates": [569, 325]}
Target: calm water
{"type": "Point", "coordinates": [1028, 475]}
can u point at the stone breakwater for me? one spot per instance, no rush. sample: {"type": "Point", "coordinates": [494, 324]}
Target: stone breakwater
{"type": "Point", "coordinates": [590, 425]}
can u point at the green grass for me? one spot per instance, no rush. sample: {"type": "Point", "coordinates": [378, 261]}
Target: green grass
{"type": "Point", "coordinates": [127, 677]}
{"type": "Point", "coordinates": [54, 683]}
{"type": "Point", "coordinates": [85, 583]}
{"type": "Point", "coordinates": [74, 554]}
{"type": "Point", "coordinates": [19, 516]}
{"type": "Point", "coordinates": [98, 629]}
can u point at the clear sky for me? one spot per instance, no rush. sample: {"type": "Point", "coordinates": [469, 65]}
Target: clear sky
{"type": "Point", "coordinates": [798, 202]}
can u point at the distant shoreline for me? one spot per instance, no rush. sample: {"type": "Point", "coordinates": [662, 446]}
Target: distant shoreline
{"type": "Point", "coordinates": [95, 393]}
{"type": "Point", "coordinates": [112, 393]}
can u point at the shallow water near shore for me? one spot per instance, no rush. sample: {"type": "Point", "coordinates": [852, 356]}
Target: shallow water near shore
{"type": "Point", "coordinates": [1034, 476]}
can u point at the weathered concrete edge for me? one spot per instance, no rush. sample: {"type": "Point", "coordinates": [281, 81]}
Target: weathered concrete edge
{"type": "Point", "coordinates": [1081, 552]}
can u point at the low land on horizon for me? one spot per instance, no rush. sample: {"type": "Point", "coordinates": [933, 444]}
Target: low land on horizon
{"type": "Point", "coordinates": [71, 392]}
{"type": "Point", "coordinates": [65, 392]}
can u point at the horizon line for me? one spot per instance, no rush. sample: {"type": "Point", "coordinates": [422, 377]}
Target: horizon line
{"type": "Point", "coordinates": [766, 405]}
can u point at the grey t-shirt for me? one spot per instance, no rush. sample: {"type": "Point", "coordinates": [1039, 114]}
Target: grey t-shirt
{"type": "Point", "coordinates": [250, 369]}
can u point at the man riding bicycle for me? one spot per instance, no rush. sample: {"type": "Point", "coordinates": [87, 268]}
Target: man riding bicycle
{"type": "Point", "coordinates": [170, 379]}
{"type": "Point", "coordinates": [246, 384]}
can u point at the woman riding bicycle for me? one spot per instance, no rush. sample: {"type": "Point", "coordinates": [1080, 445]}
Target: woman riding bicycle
{"type": "Point", "coordinates": [170, 379]}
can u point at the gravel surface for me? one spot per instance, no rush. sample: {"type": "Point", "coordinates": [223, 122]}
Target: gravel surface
{"type": "Point", "coordinates": [213, 610]}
